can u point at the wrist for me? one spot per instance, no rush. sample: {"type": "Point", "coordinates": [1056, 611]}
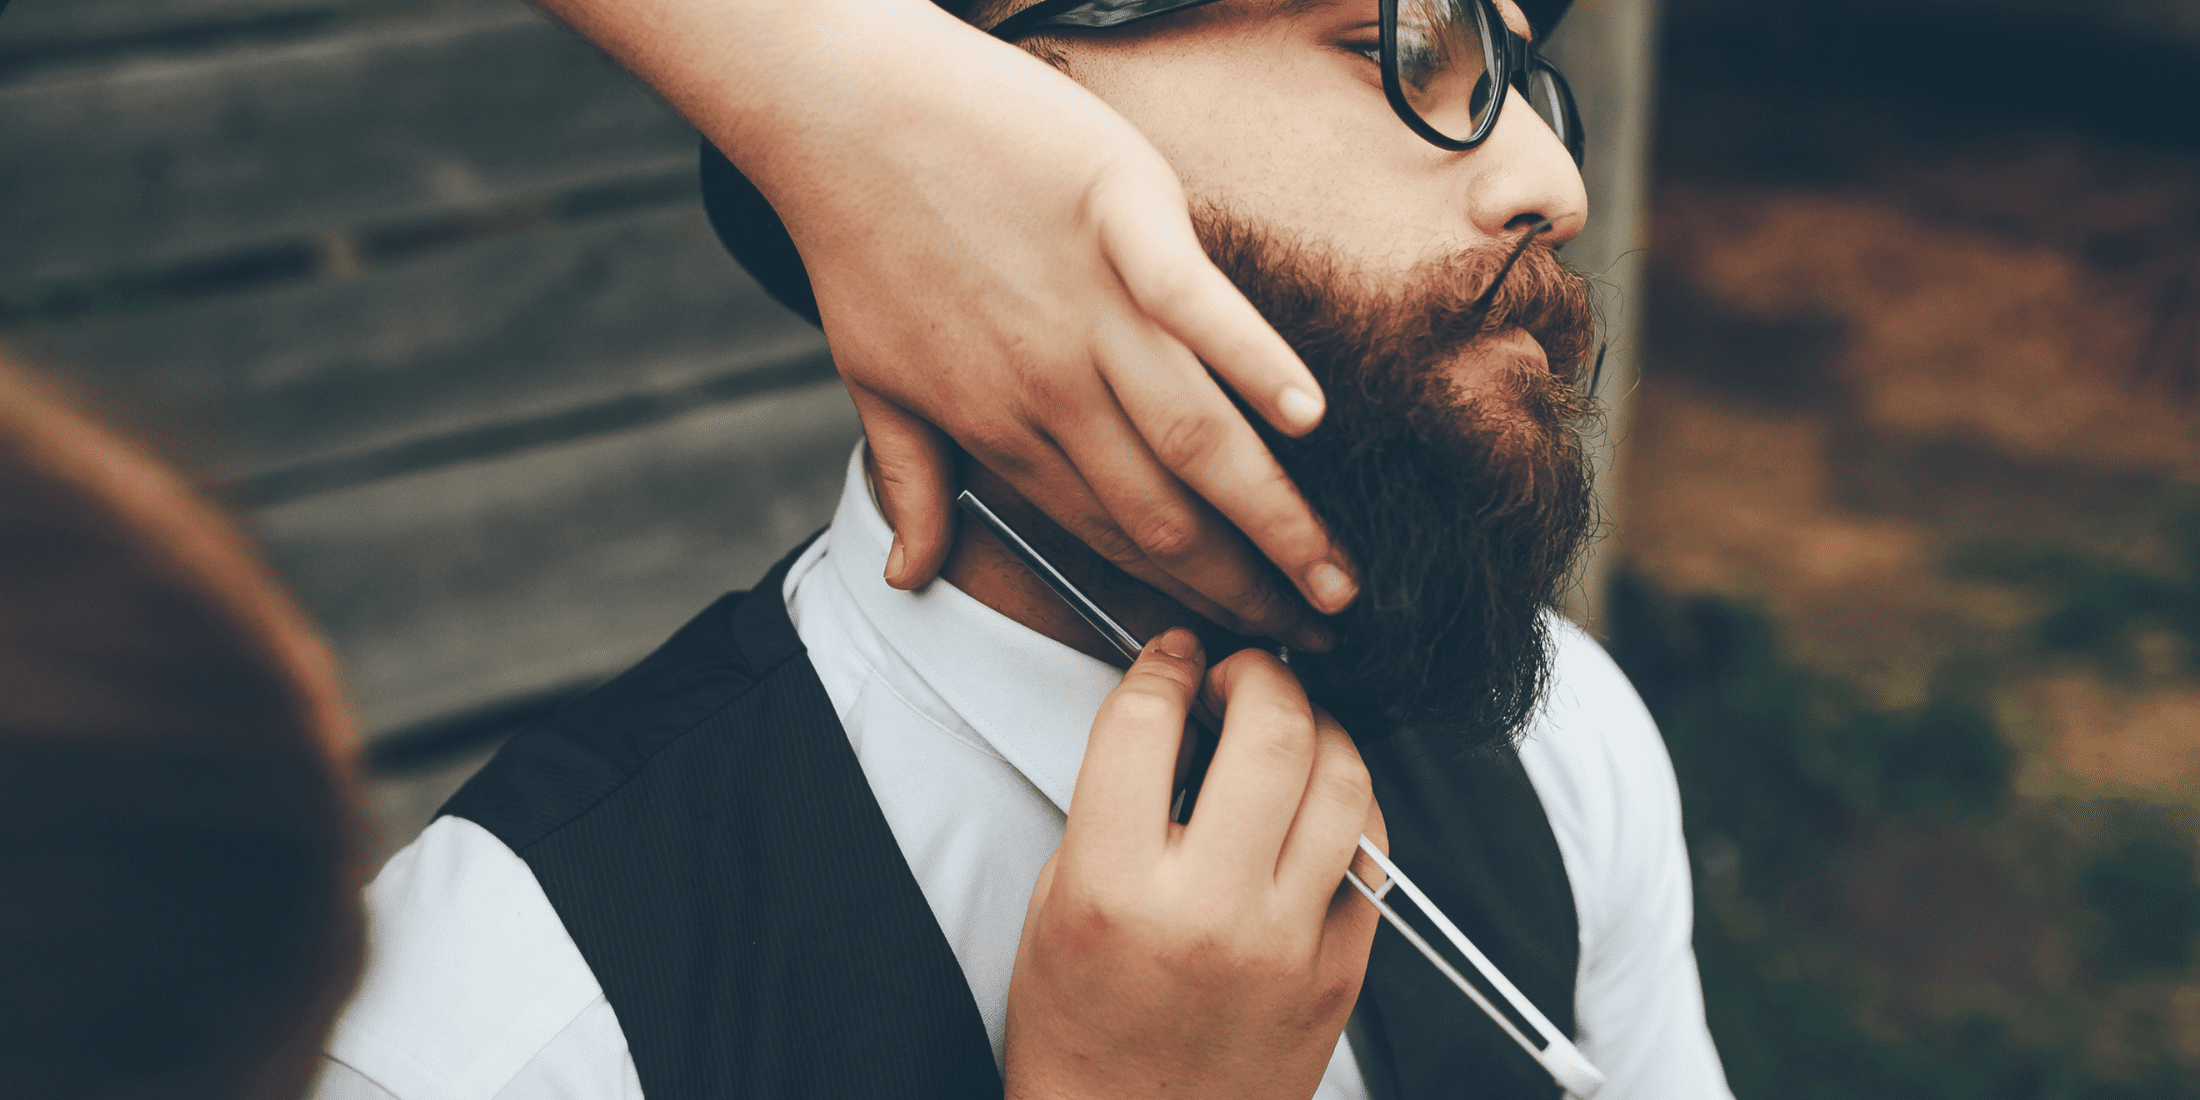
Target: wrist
{"type": "Point", "coordinates": [771, 82]}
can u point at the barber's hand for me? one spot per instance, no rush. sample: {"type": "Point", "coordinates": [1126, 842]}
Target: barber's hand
{"type": "Point", "coordinates": [1021, 272]}
{"type": "Point", "coordinates": [1050, 309]}
{"type": "Point", "coordinates": [999, 253]}
{"type": "Point", "coordinates": [1217, 960]}
{"type": "Point", "coordinates": [1000, 258]}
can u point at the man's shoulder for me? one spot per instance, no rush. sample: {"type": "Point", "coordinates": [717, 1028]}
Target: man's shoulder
{"type": "Point", "coordinates": [1601, 770]}
{"type": "Point", "coordinates": [551, 775]}
{"type": "Point", "coordinates": [1607, 785]}
{"type": "Point", "coordinates": [470, 974]}
{"type": "Point", "coordinates": [1594, 752]}
{"type": "Point", "coordinates": [1589, 699]}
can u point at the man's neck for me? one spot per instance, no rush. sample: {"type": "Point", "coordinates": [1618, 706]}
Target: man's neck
{"type": "Point", "coordinates": [990, 572]}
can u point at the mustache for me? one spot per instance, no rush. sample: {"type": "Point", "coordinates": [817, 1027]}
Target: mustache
{"type": "Point", "coordinates": [1441, 306]}
{"type": "Point", "coordinates": [1524, 287]}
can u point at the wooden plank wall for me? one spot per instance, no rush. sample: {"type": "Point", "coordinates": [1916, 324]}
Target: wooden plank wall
{"type": "Point", "coordinates": [425, 288]}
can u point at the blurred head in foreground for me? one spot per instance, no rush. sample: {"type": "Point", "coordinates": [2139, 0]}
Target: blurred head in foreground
{"type": "Point", "coordinates": [179, 916]}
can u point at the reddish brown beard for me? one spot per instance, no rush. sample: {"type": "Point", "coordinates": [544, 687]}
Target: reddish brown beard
{"type": "Point", "coordinates": [1464, 511]}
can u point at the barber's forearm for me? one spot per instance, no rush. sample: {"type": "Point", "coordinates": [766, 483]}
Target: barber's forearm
{"type": "Point", "coordinates": [772, 81]}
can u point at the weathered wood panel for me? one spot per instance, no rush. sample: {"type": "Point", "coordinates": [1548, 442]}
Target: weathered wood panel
{"type": "Point", "coordinates": [153, 158]}
{"type": "Point", "coordinates": [505, 578]}
{"type": "Point", "coordinates": [505, 330]}
{"type": "Point", "coordinates": [520, 415]}
{"type": "Point", "coordinates": [55, 24]}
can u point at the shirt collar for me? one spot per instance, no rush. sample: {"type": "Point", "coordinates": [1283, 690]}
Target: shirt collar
{"type": "Point", "coordinates": [1029, 698]}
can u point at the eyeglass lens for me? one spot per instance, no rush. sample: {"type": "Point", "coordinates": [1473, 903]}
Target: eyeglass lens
{"type": "Point", "coordinates": [1447, 51]}
{"type": "Point", "coordinates": [1444, 52]}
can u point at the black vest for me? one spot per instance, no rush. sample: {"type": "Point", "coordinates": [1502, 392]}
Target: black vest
{"type": "Point", "coordinates": [704, 830]}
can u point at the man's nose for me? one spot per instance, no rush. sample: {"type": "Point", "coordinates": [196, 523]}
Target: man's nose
{"type": "Point", "coordinates": [1523, 171]}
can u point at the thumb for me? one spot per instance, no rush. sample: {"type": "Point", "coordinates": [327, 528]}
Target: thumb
{"type": "Point", "coordinates": [913, 469]}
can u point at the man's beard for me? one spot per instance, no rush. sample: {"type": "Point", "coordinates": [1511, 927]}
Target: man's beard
{"type": "Point", "coordinates": [1463, 510]}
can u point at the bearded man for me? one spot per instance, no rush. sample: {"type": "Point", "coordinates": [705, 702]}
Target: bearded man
{"type": "Point", "coordinates": [823, 843]}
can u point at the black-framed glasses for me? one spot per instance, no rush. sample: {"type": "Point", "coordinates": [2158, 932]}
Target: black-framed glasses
{"type": "Point", "coordinates": [1445, 63]}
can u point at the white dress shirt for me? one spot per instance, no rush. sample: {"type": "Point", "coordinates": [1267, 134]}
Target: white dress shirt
{"type": "Point", "coordinates": [970, 728]}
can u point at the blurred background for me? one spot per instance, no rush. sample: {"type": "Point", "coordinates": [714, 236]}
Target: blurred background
{"type": "Point", "coordinates": [425, 289]}
{"type": "Point", "coordinates": [1910, 537]}
{"type": "Point", "coordinates": [1903, 463]}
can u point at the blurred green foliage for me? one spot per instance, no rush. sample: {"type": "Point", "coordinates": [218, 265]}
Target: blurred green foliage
{"type": "Point", "coordinates": [1880, 913]}
{"type": "Point", "coordinates": [2145, 905]}
{"type": "Point", "coordinates": [2101, 599]}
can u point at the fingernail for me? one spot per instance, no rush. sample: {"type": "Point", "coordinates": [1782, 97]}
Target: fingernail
{"type": "Point", "coordinates": [893, 561]}
{"type": "Point", "coordinates": [1179, 643]}
{"type": "Point", "coordinates": [1301, 410]}
{"type": "Point", "coordinates": [1332, 589]}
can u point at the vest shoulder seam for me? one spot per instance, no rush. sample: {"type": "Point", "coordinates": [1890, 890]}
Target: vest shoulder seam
{"type": "Point", "coordinates": [582, 813]}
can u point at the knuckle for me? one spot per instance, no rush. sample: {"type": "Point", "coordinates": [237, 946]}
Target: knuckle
{"type": "Point", "coordinates": [916, 479]}
{"type": "Point", "coordinates": [1260, 602]}
{"type": "Point", "coordinates": [1141, 705]}
{"type": "Point", "coordinates": [1005, 446]}
{"type": "Point", "coordinates": [1282, 748]}
{"type": "Point", "coordinates": [1044, 391]}
{"type": "Point", "coordinates": [1254, 669]}
{"type": "Point", "coordinates": [1188, 441]}
{"type": "Point", "coordinates": [1349, 788]}
{"type": "Point", "coordinates": [1086, 925]}
{"type": "Point", "coordinates": [1120, 550]}
{"type": "Point", "coordinates": [1270, 959]}
{"type": "Point", "coordinates": [1271, 734]}
{"type": "Point", "coordinates": [1166, 285]}
{"type": "Point", "coordinates": [1334, 997]}
{"type": "Point", "coordinates": [1168, 536]}
{"type": "Point", "coordinates": [1222, 954]}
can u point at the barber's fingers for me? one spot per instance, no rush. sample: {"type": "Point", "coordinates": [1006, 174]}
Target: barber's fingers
{"type": "Point", "coordinates": [1260, 769]}
{"type": "Point", "coordinates": [1119, 814]}
{"type": "Point", "coordinates": [1332, 812]}
{"type": "Point", "coordinates": [1165, 526]}
{"type": "Point", "coordinates": [913, 468]}
{"type": "Point", "coordinates": [1166, 271]}
{"type": "Point", "coordinates": [1193, 429]}
{"type": "Point", "coordinates": [1043, 474]}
